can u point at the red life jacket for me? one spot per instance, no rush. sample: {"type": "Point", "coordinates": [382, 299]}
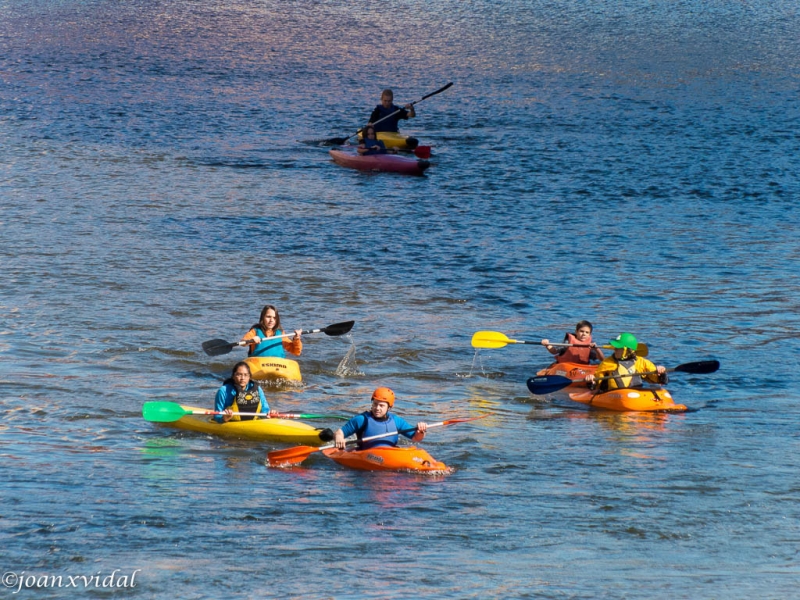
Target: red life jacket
{"type": "Point", "coordinates": [575, 354]}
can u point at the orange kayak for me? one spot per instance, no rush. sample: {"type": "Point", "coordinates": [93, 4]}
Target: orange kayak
{"type": "Point", "coordinates": [387, 458]}
{"type": "Point", "coordinates": [570, 370]}
{"type": "Point", "coordinates": [630, 399]}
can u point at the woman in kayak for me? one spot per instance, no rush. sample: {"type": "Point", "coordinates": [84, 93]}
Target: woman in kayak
{"type": "Point", "coordinates": [626, 369]}
{"type": "Point", "coordinates": [378, 420]}
{"type": "Point", "coordinates": [239, 394]}
{"type": "Point", "coordinates": [582, 349]}
{"type": "Point", "coordinates": [261, 337]}
{"type": "Point", "coordinates": [370, 144]}
{"type": "Point", "coordinates": [384, 113]}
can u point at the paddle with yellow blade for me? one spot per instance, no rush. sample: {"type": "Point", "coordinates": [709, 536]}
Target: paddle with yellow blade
{"type": "Point", "coordinates": [296, 455]}
{"type": "Point", "coordinates": [495, 339]}
{"type": "Point", "coordinates": [169, 412]}
{"type": "Point", "coordinates": [547, 384]}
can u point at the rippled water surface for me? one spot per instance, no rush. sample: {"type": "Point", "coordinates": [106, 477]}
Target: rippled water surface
{"type": "Point", "coordinates": [631, 163]}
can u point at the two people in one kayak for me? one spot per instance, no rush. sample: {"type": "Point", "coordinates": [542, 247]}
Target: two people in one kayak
{"type": "Point", "coordinates": [580, 349]}
{"type": "Point", "coordinates": [379, 421]}
{"type": "Point", "coordinates": [624, 369]}
{"type": "Point", "coordinates": [264, 338]}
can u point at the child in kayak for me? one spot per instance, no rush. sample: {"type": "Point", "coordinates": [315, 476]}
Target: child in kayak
{"type": "Point", "coordinates": [387, 108]}
{"type": "Point", "coordinates": [583, 350]}
{"type": "Point", "coordinates": [378, 420]}
{"type": "Point", "coordinates": [269, 326]}
{"type": "Point", "coordinates": [239, 394]}
{"type": "Point", "coordinates": [370, 144]}
{"type": "Point", "coordinates": [626, 368]}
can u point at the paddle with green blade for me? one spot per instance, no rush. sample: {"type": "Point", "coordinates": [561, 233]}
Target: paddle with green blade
{"type": "Point", "coordinates": [169, 412]}
{"type": "Point", "coordinates": [494, 339]}
{"type": "Point", "coordinates": [340, 141]}
{"type": "Point", "coordinates": [547, 384]}
{"type": "Point", "coordinates": [296, 455]}
{"type": "Point", "coordinates": [219, 347]}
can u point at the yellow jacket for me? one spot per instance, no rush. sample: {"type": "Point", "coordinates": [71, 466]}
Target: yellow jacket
{"type": "Point", "coordinates": [625, 377]}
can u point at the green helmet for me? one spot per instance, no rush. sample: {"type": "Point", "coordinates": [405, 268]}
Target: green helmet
{"type": "Point", "coordinates": [625, 340]}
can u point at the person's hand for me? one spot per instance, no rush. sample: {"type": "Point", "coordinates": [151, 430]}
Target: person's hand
{"type": "Point", "coordinates": [227, 415]}
{"type": "Point", "coordinates": [593, 345]}
{"type": "Point", "coordinates": [589, 378]}
{"type": "Point", "coordinates": [297, 334]}
{"type": "Point", "coordinates": [408, 106]}
{"type": "Point", "coordinates": [256, 340]}
{"type": "Point", "coordinates": [338, 439]}
{"type": "Point", "coordinates": [661, 369]}
{"type": "Point", "coordinates": [545, 342]}
{"type": "Point", "coordinates": [422, 428]}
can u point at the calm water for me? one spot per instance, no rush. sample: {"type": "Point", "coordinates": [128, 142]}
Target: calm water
{"type": "Point", "coordinates": [635, 164]}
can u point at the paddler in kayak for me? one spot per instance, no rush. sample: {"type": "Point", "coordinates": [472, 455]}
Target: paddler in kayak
{"type": "Point", "coordinates": [582, 350]}
{"type": "Point", "coordinates": [386, 108]}
{"type": "Point", "coordinates": [624, 366]}
{"type": "Point", "coordinates": [379, 420]}
{"type": "Point", "coordinates": [269, 326]}
{"type": "Point", "coordinates": [370, 144]}
{"type": "Point", "coordinates": [239, 394]}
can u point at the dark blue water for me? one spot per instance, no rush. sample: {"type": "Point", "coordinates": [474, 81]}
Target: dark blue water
{"type": "Point", "coordinates": [634, 164]}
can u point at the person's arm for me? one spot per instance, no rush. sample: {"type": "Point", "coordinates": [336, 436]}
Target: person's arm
{"type": "Point", "coordinates": [598, 354]}
{"type": "Point", "coordinates": [414, 433]}
{"type": "Point", "coordinates": [253, 338]}
{"type": "Point", "coordinates": [644, 366]}
{"type": "Point", "coordinates": [551, 349]}
{"type": "Point", "coordinates": [264, 403]}
{"type": "Point", "coordinates": [376, 114]}
{"type": "Point", "coordinates": [220, 404]}
{"type": "Point", "coordinates": [409, 113]}
{"type": "Point", "coordinates": [348, 429]}
{"type": "Point", "coordinates": [294, 345]}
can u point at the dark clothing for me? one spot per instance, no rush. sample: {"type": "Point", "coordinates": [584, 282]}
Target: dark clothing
{"type": "Point", "coordinates": [389, 124]}
{"type": "Point", "coordinates": [374, 147]}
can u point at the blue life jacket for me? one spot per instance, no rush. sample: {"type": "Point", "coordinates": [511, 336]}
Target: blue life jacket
{"type": "Point", "coordinates": [375, 427]}
{"type": "Point", "coordinates": [374, 146]}
{"type": "Point", "coordinates": [268, 347]}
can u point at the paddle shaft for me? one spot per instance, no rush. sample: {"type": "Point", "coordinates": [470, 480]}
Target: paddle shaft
{"type": "Point", "coordinates": [264, 415]}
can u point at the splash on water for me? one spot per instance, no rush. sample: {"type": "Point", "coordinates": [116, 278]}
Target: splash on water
{"type": "Point", "coordinates": [348, 366]}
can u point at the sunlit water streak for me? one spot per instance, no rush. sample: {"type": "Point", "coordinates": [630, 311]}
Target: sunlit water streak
{"type": "Point", "coordinates": [634, 164]}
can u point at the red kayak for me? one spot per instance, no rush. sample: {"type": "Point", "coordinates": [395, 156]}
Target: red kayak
{"type": "Point", "coordinates": [387, 163]}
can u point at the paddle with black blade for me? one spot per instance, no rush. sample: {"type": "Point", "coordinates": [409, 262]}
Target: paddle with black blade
{"type": "Point", "coordinates": [169, 412]}
{"type": "Point", "coordinates": [494, 339]}
{"type": "Point", "coordinates": [547, 384]}
{"type": "Point", "coordinates": [296, 455]}
{"type": "Point", "coordinates": [219, 347]}
{"type": "Point", "coordinates": [340, 141]}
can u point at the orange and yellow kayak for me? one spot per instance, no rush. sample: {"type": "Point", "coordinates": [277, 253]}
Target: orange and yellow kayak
{"type": "Point", "coordinates": [387, 458]}
{"type": "Point", "coordinates": [570, 370]}
{"type": "Point", "coordinates": [630, 399]}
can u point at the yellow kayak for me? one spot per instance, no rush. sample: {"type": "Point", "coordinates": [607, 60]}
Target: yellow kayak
{"type": "Point", "coordinates": [271, 368]}
{"type": "Point", "coordinates": [393, 139]}
{"type": "Point", "coordinates": [262, 430]}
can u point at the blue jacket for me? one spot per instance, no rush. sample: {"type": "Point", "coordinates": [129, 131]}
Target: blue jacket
{"type": "Point", "coordinates": [226, 398]}
{"type": "Point", "coordinates": [365, 425]}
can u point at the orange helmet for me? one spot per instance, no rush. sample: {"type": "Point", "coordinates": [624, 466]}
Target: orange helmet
{"type": "Point", "coordinates": [384, 394]}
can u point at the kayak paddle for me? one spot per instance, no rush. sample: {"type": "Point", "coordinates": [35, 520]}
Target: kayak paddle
{"type": "Point", "coordinates": [219, 347]}
{"type": "Point", "coordinates": [296, 455]}
{"type": "Point", "coordinates": [495, 339]}
{"type": "Point", "coordinates": [340, 141]}
{"type": "Point", "coordinates": [169, 412]}
{"type": "Point", "coordinates": [547, 384]}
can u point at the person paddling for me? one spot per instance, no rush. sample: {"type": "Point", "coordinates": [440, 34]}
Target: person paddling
{"type": "Point", "coordinates": [387, 108]}
{"type": "Point", "coordinates": [582, 349]}
{"type": "Point", "coordinates": [625, 367]}
{"type": "Point", "coordinates": [269, 326]}
{"type": "Point", "coordinates": [378, 420]}
{"type": "Point", "coordinates": [239, 394]}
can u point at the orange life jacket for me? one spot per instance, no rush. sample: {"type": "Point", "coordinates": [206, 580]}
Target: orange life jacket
{"type": "Point", "coordinates": [575, 354]}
